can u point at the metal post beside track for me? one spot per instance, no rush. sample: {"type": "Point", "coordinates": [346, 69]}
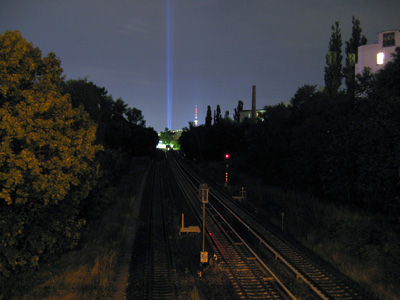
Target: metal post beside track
{"type": "Point", "coordinates": [203, 197]}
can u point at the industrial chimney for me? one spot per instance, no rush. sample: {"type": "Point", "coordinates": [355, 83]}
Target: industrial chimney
{"type": "Point", "coordinates": [253, 104]}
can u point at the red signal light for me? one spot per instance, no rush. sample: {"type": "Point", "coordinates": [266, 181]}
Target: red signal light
{"type": "Point", "coordinates": [226, 155]}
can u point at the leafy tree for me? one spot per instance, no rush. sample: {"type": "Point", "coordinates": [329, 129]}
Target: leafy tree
{"type": "Point", "coordinates": [95, 101]}
{"type": "Point", "coordinates": [208, 116]}
{"type": "Point", "coordinates": [166, 136]}
{"type": "Point", "coordinates": [47, 155]}
{"type": "Point", "coordinates": [333, 70]}
{"type": "Point", "coordinates": [388, 79]}
{"type": "Point", "coordinates": [135, 116]}
{"type": "Point", "coordinates": [192, 140]}
{"type": "Point", "coordinates": [375, 135]}
{"type": "Point", "coordinates": [239, 108]}
{"type": "Point", "coordinates": [120, 127]}
{"type": "Point", "coordinates": [352, 45]}
{"type": "Point", "coordinates": [301, 103]}
{"type": "Point", "coordinates": [365, 83]}
{"type": "Point", "coordinates": [226, 116]}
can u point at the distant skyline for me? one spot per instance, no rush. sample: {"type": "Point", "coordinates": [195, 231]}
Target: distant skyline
{"type": "Point", "coordinates": [178, 54]}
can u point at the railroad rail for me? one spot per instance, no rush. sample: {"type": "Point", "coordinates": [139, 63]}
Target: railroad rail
{"type": "Point", "coordinates": [159, 261]}
{"type": "Point", "coordinates": [322, 279]}
{"type": "Point", "coordinates": [243, 270]}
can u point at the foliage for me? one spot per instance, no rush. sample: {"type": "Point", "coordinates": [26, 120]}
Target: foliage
{"type": "Point", "coordinates": [170, 138]}
{"type": "Point", "coordinates": [352, 45]}
{"type": "Point", "coordinates": [166, 136]}
{"type": "Point", "coordinates": [208, 116]}
{"type": "Point", "coordinates": [333, 70]}
{"type": "Point", "coordinates": [338, 146]}
{"type": "Point", "coordinates": [217, 114]}
{"type": "Point", "coordinates": [212, 142]}
{"type": "Point", "coordinates": [120, 127]}
{"type": "Point", "coordinates": [239, 108]}
{"type": "Point", "coordinates": [90, 272]}
{"type": "Point", "coordinates": [47, 158]}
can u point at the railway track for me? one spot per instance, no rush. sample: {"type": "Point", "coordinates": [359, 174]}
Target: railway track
{"type": "Point", "coordinates": [248, 278]}
{"type": "Point", "coordinates": [323, 281]}
{"type": "Point", "coordinates": [159, 262]}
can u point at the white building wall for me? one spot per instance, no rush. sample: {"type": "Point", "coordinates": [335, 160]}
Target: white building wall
{"type": "Point", "coordinates": [367, 54]}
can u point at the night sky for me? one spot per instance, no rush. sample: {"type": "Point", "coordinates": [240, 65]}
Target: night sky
{"type": "Point", "coordinates": [193, 52]}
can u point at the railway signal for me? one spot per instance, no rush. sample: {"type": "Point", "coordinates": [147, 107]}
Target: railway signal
{"type": "Point", "coordinates": [226, 169]}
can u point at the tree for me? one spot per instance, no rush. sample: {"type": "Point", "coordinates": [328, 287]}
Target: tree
{"type": "Point", "coordinates": [166, 136]}
{"type": "Point", "coordinates": [217, 114]}
{"type": "Point", "coordinates": [333, 69]}
{"type": "Point", "coordinates": [239, 108]}
{"type": "Point", "coordinates": [47, 160]}
{"type": "Point", "coordinates": [226, 116]}
{"type": "Point", "coordinates": [95, 101]}
{"type": "Point", "coordinates": [388, 79]}
{"type": "Point", "coordinates": [208, 116]}
{"type": "Point", "coordinates": [352, 45]}
{"type": "Point", "coordinates": [120, 127]}
{"type": "Point", "coordinates": [135, 116]}
{"type": "Point", "coordinates": [365, 83]}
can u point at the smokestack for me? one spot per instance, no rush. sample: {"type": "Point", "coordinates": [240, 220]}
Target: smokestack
{"type": "Point", "coordinates": [253, 104]}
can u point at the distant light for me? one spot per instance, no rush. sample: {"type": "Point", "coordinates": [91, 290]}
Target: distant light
{"type": "Point", "coordinates": [226, 155]}
{"type": "Point", "coordinates": [380, 58]}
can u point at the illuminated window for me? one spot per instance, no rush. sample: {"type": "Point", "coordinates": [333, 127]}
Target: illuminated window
{"type": "Point", "coordinates": [380, 57]}
{"type": "Point", "coordinates": [388, 39]}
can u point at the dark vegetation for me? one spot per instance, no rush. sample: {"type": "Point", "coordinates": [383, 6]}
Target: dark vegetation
{"type": "Point", "coordinates": [341, 146]}
{"type": "Point", "coordinates": [64, 147]}
{"type": "Point", "coordinates": [339, 149]}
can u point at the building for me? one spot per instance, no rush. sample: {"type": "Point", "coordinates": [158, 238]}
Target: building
{"type": "Point", "coordinates": [247, 114]}
{"type": "Point", "coordinates": [254, 113]}
{"type": "Point", "coordinates": [377, 55]}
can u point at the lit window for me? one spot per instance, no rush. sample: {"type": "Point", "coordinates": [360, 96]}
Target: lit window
{"type": "Point", "coordinates": [380, 57]}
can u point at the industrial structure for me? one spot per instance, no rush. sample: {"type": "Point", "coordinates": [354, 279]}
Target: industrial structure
{"type": "Point", "coordinates": [254, 113]}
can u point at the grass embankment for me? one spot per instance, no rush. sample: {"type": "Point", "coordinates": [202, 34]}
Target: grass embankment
{"type": "Point", "coordinates": [88, 272]}
{"type": "Point", "coordinates": [362, 245]}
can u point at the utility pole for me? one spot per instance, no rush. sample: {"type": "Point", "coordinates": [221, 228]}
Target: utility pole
{"type": "Point", "coordinates": [203, 196]}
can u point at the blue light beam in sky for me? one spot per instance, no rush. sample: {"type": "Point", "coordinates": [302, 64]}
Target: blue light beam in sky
{"type": "Point", "coordinates": [169, 53]}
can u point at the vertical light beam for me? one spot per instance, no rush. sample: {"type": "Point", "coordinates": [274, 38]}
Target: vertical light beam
{"type": "Point", "coordinates": [169, 53]}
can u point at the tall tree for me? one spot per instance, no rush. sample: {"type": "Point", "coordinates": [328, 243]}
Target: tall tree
{"type": "Point", "coordinates": [217, 115]}
{"type": "Point", "coordinates": [47, 158]}
{"type": "Point", "coordinates": [333, 70]}
{"type": "Point", "coordinates": [208, 116]}
{"type": "Point", "coordinates": [351, 51]}
{"type": "Point", "coordinates": [239, 108]}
